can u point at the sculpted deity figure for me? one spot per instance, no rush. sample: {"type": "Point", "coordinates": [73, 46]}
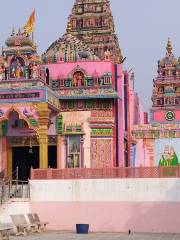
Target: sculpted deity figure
{"type": "Point", "coordinates": [107, 55]}
{"type": "Point", "coordinates": [35, 70]}
{"type": "Point", "coordinates": [1, 72]}
{"type": "Point", "coordinates": [18, 70]}
{"type": "Point", "coordinates": [78, 79]}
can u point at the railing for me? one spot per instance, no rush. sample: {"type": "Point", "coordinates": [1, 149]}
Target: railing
{"type": "Point", "coordinates": [12, 187]}
{"type": "Point", "coordinates": [122, 172]}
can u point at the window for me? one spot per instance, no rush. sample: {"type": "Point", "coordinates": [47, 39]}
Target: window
{"type": "Point", "coordinates": [55, 84]}
{"type": "Point", "coordinates": [47, 76]}
{"type": "Point", "coordinates": [74, 152]}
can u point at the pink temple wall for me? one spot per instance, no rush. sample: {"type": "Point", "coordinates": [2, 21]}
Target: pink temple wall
{"type": "Point", "coordinates": [136, 109]}
{"type": "Point", "coordinates": [108, 205]}
{"type": "Point", "coordinates": [111, 216]}
{"type": "Point", "coordinates": [3, 154]}
{"type": "Point", "coordinates": [159, 116]}
{"type": "Point", "coordinates": [137, 118]}
{"type": "Point", "coordinates": [64, 69]}
{"type": "Point", "coordinates": [121, 114]}
{"type": "Point", "coordinates": [142, 158]}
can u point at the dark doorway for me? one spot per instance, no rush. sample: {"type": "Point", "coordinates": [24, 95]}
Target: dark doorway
{"type": "Point", "coordinates": [52, 156]}
{"type": "Point", "coordinates": [24, 160]}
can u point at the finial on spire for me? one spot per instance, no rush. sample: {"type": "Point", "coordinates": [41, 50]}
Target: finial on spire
{"type": "Point", "coordinates": [169, 47]}
{"type": "Point", "coordinates": [19, 31]}
{"type": "Point", "coordinates": [69, 27]}
{"type": "Point", "coordinates": [13, 32]}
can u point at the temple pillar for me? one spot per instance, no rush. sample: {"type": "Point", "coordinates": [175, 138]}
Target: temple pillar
{"type": "Point", "coordinates": [59, 151]}
{"type": "Point", "coordinates": [9, 166]}
{"type": "Point", "coordinates": [1, 157]}
{"type": "Point", "coordinates": [44, 114]}
{"type": "Point", "coordinates": [43, 148]}
{"type": "Point", "coordinates": [66, 152]}
{"type": "Point", "coordinates": [4, 155]}
{"type": "Point", "coordinates": [82, 151]}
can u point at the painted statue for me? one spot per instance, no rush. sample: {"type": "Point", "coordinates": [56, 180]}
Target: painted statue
{"type": "Point", "coordinates": [78, 79]}
{"type": "Point", "coordinates": [169, 158]}
{"type": "Point", "coordinates": [17, 69]}
{"type": "Point", "coordinates": [1, 72]}
{"type": "Point", "coordinates": [35, 71]}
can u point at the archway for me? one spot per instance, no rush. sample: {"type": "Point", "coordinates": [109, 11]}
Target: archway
{"type": "Point", "coordinates": [23, 147]}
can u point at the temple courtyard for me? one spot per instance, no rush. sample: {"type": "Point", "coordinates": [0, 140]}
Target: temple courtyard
{"type": "Point", "coordinates": [98, 236]}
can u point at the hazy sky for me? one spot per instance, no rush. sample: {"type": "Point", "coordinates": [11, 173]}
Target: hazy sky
{"type": "Point", "coordinates": [143, 27]}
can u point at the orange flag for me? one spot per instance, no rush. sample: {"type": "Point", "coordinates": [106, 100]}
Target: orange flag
{"type": "Point", "coordinates": [29, 27]}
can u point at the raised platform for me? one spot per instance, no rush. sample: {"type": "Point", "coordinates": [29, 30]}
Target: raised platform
{"type": "Point", "coordinates": [104, 173]}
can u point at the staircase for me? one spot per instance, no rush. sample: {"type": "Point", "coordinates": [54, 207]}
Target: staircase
{"type": "Point", "coordinates": [14, 196]}
{"type": "Point", "coordinates": [13, 188]}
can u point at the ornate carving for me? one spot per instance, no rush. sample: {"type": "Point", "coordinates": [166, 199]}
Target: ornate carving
{"type": "Point", "coordinates": [86, 105]}
{"type": "Point", "coordinates": [93, 23]}
{"type": "Point", "coordinates": [166, 85]}
{"type": "Point", "coordinates": [101, 153]}
{"type": "Point", "coordinates": [44, 114]}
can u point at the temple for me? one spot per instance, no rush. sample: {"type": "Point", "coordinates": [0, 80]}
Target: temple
{"type": "Point", "coordinates": [159, 139]}
{"type": "Point", "coordinates": [66, 108]}
{"type": "Point", "coordinates": [77, 152]}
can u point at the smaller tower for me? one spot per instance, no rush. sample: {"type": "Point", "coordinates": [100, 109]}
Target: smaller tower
{"type": "Point", "coordinates": [19, 58]}
{"type": "Point", "coordinates": [166, 89]}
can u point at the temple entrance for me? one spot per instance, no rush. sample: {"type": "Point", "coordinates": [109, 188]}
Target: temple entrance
{"type": "Point", "coordinates": [24, 158]}
{"type": "Point", "coordinates": [52, 156]}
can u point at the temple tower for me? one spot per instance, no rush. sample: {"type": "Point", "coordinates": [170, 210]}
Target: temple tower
{"type": "Point", "coordinates": [160, 139]}
{"type": "Point", "coordinates": [166, 89]}
{"type": "Point", "coordinates": [92, 22]}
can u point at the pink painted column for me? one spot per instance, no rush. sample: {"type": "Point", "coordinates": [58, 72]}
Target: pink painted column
{"type": "Point", "coordinates": [82, 151]}
{"type": "Point", "coordinates": [5, 154]}
{"type": "Point", "coordinates": [1, 156]}
{"type": "Point", "coordinates": [59, 151]}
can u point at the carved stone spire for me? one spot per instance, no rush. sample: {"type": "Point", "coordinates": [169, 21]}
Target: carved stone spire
{"type": "Point", "coordinates": [92, 22]}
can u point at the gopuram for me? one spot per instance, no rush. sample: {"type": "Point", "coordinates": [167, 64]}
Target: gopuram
{"type": "Point", "coordinates": [160, 139]}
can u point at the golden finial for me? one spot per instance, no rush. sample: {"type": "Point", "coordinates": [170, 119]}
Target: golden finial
{"type": "Point", "coordinates": [69, 27]}
{"type": "Point", "coordinates": [169, 47]}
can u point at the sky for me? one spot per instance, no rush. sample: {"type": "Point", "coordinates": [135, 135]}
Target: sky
{"type": "Point", "coordinates": [143, 28]}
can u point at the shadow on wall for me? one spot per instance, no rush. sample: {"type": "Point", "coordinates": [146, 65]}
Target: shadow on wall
{"type": "Point", "coordinates": [157, 215]}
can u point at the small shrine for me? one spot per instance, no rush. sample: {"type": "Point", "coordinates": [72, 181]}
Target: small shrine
{"type": "Point", "coordinates": [28, 106]}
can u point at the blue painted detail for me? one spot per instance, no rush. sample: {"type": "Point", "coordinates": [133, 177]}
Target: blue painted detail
{"type": "Point", "coordinates": [21, 89]}
{"type": "Point", "coordinates": [42, 90]}
{"type": "Point", "coordinates": [23, 100]}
